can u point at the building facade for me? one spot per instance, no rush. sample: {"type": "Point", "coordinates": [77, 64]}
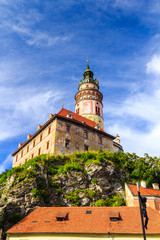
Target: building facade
{"type": "Point", "coordinates": [152, 195]}
{"type": "Point", "coordinates": [67, 132]}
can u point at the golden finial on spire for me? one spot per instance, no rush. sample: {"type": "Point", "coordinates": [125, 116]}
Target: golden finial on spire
{"type": "Point", "coordinates": [88, 64]}
{"type": "Point", "coordinates": [63, 103]}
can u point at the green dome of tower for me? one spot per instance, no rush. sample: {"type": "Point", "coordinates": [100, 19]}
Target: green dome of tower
{"type": "Point", "coordinates": [88, 75]}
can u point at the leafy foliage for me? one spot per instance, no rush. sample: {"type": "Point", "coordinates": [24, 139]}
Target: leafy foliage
{"type": "Point", "coordinates": [113, 201]}
{"type": "Point", "coordinates": [73, 197]}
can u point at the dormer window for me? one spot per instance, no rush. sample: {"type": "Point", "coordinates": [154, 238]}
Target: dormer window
{"type": "Point", "coordinates": [114, 219]}
{"type": "Point", "coordinates": [69, 115]}
{"type": "Point", "coordinates": [62, 217]}
{"type": "Point", "coordinates": [97, 126]}
{"type": "Point", "coordinates": [114, 216]}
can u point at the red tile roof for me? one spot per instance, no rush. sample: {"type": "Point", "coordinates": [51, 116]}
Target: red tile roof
{"type": "Point", "coordinates": [44, 220]}
{"type": "Point", "coordinates": [63, 112]}
{"type": "Point", "coordinates": [144, 191]}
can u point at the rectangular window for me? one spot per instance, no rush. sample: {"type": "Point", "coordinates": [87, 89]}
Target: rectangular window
{"type": "Point", "coordinates": [27, 149]}
{"type": "Point", "coordinates": [68, 128]}
{"type": "Point", "coordinates": [25, 160]}
{"type": "Point", "coordinates": [22, 153]}
{"type": "Point", "coordinates": [85, 134]}
{"type": "Point", "coordinates": [39, 151]}
{"type": "Point", "coordinates": [40, 137]}
{"type": "Point", "coordinates": [100, 140]}
{"type": "Point", "coordinates": [32, 156]}
{"type": "Point", "coordinates": [49, 130]}
{"type": "Point", "coordinates": [88, 212]}
{"type": "Point", "coordinates": [98, 111]}
{"type": "Point", "coordinates": [17, 158]}
{"type": "Point", "coordinates": [77, 130]}
{"type": "Point", "coordinates": [67, 143]}
{"type": "Point", "coordinates": [34, 143]}
{"type": "Point", "coordinates": [47, 147]}
{"type": "Point", "coordinates": [85, 148]}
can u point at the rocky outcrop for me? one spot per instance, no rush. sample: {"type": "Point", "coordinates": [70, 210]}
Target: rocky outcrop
{"type": "Point", "coordinates": [62, 182]}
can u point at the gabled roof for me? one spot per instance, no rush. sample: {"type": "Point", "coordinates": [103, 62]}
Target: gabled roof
{"type": "Point", "coordinates": [144, 191]}
{"type": "Point", "coordinates": [87, 220]}
{"type": "Point", "coordinates": [63, 112]}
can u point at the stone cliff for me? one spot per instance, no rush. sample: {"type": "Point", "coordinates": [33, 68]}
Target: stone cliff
{"type": "Point", "coordinates": [81, 179]}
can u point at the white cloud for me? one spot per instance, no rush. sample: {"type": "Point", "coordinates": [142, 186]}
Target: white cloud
{"type": "Point", "coordinates": [24, 106]}
{"type": "Point", "coordinates": [24, 23]}
{"type": "Point", "coordinates": [138, 142]}
{"type": "Point", "coordinates": [138, 122]}
{"type": "Point", "coordinates": [7, 162]}
{"type": "Point", "coordinates": [138, 117]}
{"type": "Point", "coordinates": [153, 66]}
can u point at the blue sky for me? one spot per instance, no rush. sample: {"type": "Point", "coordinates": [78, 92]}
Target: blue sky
{"type": "Point", "coordinates": [43, 50]}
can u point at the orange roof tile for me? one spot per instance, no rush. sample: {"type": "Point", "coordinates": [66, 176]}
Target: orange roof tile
{"type": "Point", "coordinates": [44, 220]}
{"type": "Point", "coordinates": [144, 191]}
{"type": "Point", "coordinates": [63, 112]}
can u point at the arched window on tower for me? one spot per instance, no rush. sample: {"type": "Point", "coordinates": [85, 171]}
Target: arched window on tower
{"type": "Point", "coordinates": [97, 111]}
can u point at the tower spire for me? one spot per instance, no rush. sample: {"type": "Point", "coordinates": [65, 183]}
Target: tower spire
{"type": "Point", "coordinates": [87, 64]}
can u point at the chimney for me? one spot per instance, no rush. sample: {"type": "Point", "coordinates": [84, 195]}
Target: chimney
{"type": "Point", "coordinates": [29, 136]}
{"type": "Point", "coordinates": [50, 115]}
{"type": "Point", "coordinates": [38, 127]}
{"type": "Point", "coordinates": [143, 184]}
{"type": "Point", "coordinates": [20, 144]}
{"type": "Point", "coordinates": [117, 140]}
{"type": "Point", "coordinates": [155, 186]}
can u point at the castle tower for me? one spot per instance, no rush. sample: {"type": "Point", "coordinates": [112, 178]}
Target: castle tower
{"type": "Point", "coordinates": [89, 98]}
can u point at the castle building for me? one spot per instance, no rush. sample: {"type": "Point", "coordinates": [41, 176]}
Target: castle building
{"type": "Point", "coordinates": [152, 195]}
{"type": "Point", "coordinates": [67, 132]}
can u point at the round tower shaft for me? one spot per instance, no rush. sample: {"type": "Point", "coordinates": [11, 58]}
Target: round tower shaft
{"type": "Point", "coordinates": [89, 98]}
